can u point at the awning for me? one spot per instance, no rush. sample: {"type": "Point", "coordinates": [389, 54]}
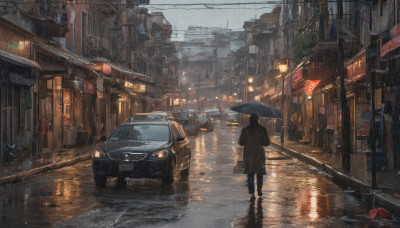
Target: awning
{"type": "Point", "coordinates": [391, 45]}
{"type": "Point", "coordinates": [63, 53]}
{"type": "Point", "coordinates": [18, 60]}
{"type": "Point", "coordinates": [124, 70]}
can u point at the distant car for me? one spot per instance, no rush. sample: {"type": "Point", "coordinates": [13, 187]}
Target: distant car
{"type": "Point", "coordinates": [167, 114]}
{"type": "Point", "coordinates": [170, 115]}
{"type": "Point", "coordinates": [143, 150]}
{"type": "Point", "coordinates": [191, 123]}
{"type": "Point", "coordinates": [177, 117]}
{"type": "Point", "coordinates": [232, 119]}
{"type": "Point", "coordinates": [214, 113]}
{"type": "Point", "coordinates": [140, 117]}
{"type": "Point", "coordinates": [206, 121]}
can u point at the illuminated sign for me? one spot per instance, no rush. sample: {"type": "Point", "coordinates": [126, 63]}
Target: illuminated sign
{"type": "Point", "coordinates": [140, 88]}
{"type": "Point", "coordinates": [310, 86]}
{"type": "Point", "coordinates": [357, 68]}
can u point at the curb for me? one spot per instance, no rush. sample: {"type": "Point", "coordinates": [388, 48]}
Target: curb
{"type": "Point", "coordinates": [385, 200]}
{"type": "Point", "coordinates": [29, 173]}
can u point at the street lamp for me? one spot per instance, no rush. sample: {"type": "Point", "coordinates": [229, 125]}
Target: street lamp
{"type": "Point", "coordinates": [283, 67]}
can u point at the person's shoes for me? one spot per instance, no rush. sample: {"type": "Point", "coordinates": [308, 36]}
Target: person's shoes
{"type": "Point", "coordinates": [260, 193]}
{"type": "Point", "coordinates": [252, 196]}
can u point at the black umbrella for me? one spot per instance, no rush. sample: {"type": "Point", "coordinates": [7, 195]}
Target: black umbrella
{"type": "Point", "coordinates": [254, 107]}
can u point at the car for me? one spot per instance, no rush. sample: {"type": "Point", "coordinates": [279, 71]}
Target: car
{"type": "Point", "coordinates": [191, 123]}
{"type": "Point", "coordinates": [232, 119]}
{"type": "Point", "coordinates": [167, 114]}
{"type": "Point", "coordinates": [214, 113]}
{"type": "Point", "coordinates": [142, 150]}
{"type": "Point", "coordinates": [206, 122]}
{"type": "Point", "coordinates": [177, 117]}
{"type": "Point", "coordinates": [139, 117]}
{"type": "Point", "coordinates": [170, 115]}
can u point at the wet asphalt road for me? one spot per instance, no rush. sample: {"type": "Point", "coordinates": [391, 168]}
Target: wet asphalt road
{"type": "Point", "coordinates": [214, 195]}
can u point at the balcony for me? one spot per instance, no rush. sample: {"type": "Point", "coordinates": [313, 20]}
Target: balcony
{"type": "Point", "coordinates": [50, 19]}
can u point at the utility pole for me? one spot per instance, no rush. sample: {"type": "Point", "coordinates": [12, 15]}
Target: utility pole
{"type": "Point", "coordinates": [345, 147]}
{"type": "Point", "coordinates": [373, 45]}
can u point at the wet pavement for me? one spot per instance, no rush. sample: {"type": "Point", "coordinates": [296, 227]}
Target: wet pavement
{"type": "Point", "coordinates": [214, 195]}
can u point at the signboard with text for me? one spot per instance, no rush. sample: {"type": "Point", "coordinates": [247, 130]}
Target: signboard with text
{"type": "Point", "coordinates": [296, 77]}
{"type": "Point", "coordinates": [357, 68]}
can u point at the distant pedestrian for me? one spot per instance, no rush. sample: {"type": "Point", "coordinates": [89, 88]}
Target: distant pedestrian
{"type": "Point", "coordinates": [253, 138]}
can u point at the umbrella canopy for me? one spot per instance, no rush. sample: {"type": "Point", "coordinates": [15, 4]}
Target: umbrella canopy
{"type": "Point", "coordinates": [254, 107]}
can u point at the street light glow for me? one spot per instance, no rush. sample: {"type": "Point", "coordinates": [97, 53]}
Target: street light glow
{"type": "Point", "coordinates": [251, 79]}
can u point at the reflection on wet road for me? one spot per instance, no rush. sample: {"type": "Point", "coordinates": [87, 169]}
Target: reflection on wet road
{"type": "Point", "coordinates": [214, 195]}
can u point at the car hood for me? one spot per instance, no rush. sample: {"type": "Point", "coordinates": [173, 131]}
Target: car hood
{"type": "Point", "coordinates": [133, 145]}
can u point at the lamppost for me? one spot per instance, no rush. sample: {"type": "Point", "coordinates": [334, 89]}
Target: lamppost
{"type": "Point", "coordinates": [283, 67]}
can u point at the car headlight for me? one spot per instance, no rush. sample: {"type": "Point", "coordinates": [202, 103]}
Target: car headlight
{"type": "Point", "coordinates": [159, 154]}
{"type": "Point", "coordinates": [98, 154]}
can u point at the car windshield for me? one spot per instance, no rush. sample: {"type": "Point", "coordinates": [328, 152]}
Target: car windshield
{"type": "Point", "coordinates": [233, 116]}
{"type": "Point", "coordinates": [141, 132]}
{"type": "Point", "coordinates": [202, 116]}
{"type": "Point", "coordinates": [139, 118]}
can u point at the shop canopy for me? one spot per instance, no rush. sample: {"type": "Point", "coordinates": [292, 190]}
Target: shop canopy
{"type": "Point", "coordinates": [390, 46]}
{"type": "Point", "coordinates": [18, 60]}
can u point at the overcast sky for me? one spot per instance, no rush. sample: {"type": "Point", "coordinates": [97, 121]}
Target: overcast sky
{"type": "Point", "coordinates": [182, 16]}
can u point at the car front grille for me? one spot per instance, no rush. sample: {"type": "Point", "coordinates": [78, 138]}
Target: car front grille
{"type": "Point", "coordinates": [131, 156]}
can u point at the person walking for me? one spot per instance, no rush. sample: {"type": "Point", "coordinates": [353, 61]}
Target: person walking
{"type": "Point", "coordinates": [253, 137]}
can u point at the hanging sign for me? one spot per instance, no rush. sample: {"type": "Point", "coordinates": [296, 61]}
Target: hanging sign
{"type": "Point", "coordinates": [99, 84]}
{"type": "Point", "coordinates": [297, 76]}
{"type": "Point", "coordinates": [310, 86]}
{"type": "Point", "coordinates": [88, 87]}
{"type": "Point", "coordinates": [357, 68]}
{"type": "Point", "coordinates": [395, 30]}
{"type": "Point", "coordinates": [390, 46]}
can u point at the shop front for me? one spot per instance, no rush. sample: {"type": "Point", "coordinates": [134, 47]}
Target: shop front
{"type": "Point", "coordinates": [16, 101]}
{"type": "Point", "coordinates": [359, 101]}
{"type": "Point", "coordinates": [389, 53]}
{"type": "Point", "coordinates": [17, 82]}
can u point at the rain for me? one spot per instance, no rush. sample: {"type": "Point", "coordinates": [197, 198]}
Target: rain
{"type": "Point", "coordinates": [199, 113]}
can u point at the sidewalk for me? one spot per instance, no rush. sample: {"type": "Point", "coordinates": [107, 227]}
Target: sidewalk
{"type": "Point", "coordinates": [359, 178]}
{"type": "Point", "coordinates": [19, 170]}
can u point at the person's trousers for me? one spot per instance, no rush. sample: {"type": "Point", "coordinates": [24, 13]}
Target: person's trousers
{"type": "Point", "coordinates": [250, 182]}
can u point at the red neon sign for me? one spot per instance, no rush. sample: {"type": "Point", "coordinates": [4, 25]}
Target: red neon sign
{"type": "Point", "coordinates": [310, 86]}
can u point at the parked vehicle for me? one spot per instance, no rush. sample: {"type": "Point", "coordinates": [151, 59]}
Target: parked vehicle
{"type": "Point", "coordinates": [232, 119]}
{"type": "Point", "coordinates": [191, 123]}
{"type": "Point", "coordinates": [143, 150]}
{"type": "Point", "coordinates": [206, 122]}
{"type": "Point", "coordinates": [177, 117]}
{"type": "Point", "coordinates": [168, 115]}
{"type": "Point", "coordinates": [139, 117]}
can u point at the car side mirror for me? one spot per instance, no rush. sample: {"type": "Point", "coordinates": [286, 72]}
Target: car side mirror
{"type": "Point", "coordinates": [180, 139]}
{"type": "Point", "coordinates": [103, 138]}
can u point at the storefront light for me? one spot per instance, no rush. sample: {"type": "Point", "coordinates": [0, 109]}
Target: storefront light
{"type": "Point", "coordinates": [251, 79]}
{"type": "Point", "coordinates": [106, 69]}
{"type": "Point", "coordinates": [309, 97]}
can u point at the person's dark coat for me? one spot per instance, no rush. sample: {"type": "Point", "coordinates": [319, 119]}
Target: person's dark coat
{"type": "Point", "coordinates": [254, 137]}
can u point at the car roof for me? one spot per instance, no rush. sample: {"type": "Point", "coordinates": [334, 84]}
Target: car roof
{"type": "Point", "coordinates": [149, 122]}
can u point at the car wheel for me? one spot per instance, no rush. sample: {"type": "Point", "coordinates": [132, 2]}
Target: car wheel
{"type": "Point", "coordinates": [169, 180]}
{"type": "Point", "coordinates": [100, 180]}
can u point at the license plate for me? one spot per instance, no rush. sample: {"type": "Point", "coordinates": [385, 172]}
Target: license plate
{"type": "Point", "coordinates": [125, 167]}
